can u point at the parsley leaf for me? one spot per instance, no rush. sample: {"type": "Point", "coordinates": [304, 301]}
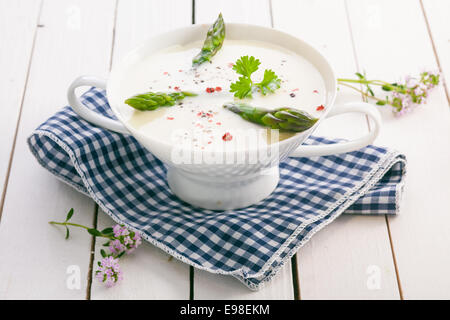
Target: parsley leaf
{"type": "Point", "coordinates": [246, 65]}
{"type": "Point", "coordinates": [244, 87]}
{"type": "Point", "coordinates": [270, 82]}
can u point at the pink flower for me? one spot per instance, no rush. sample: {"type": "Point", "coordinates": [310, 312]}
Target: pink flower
{"type": "Point", "coordinates": [120, 230]}
{"type": "Point", "coordinates": [412, 92]}
{"type": "Point", "coordinates": [109, 271]}
{"type": "Point", "coordinates": [126, 241]}
{"type": "Point", "coordinates": [116, 247]}
{"type": "Point", "coordinates": [134, 242]}
{"type": "Point", "coordinates": [418, 91]}
{"type": "Point", "coordinates": [411, 82]}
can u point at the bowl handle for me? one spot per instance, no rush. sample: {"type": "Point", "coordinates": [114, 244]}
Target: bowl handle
{"type": "Point", "coordinates": [347, 146]}
{"type": "Point", "coordinates": [87, 114]}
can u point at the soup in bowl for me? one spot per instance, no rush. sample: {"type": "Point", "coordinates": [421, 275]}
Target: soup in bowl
{"type": "Point", "coordinates": [216, 158]}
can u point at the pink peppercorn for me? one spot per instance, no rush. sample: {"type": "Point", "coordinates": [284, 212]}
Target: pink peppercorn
{"type": "Point", "coordinates": [227, 137]}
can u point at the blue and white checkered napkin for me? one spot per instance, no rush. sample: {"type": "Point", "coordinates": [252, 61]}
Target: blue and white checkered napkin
{"type": "Point", "coordinates": [251, 244]}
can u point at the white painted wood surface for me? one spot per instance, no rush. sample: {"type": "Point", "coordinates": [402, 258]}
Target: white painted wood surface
{"type": "Point", "coordinates": [249, 11]}
{"type": "Point", "coordinates": [34, 255]}
{"type": "Point", "coordinates": [420, 233]}
{"type": "Point", "coordinates": [18, 20]}
{"type": "Point", "coordinates": [77, 37]}
{"type": "Point", "coordinates": [138, 20]}
{"type": "Point", "coordinates": [437, 13]}
{"type": "Point", "coordinates": [148, 272]}
{"type": "Point", "coordinates": [334, 264]}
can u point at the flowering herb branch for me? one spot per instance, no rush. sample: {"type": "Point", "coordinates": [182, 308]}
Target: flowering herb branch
{"type": "Point", "coordinates": [404, 95]}
{"type": "Point", "coordinates": [120, 241]}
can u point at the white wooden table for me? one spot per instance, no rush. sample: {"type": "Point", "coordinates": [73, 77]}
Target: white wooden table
{"type": "Point", "coordinates": [45, 44]}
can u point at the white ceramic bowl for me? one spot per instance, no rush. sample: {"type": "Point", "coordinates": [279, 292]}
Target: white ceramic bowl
{"type": "Point", "coordinates": [226, 185]}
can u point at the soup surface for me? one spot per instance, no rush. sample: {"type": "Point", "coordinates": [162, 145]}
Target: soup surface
{"type": "Point", "coordinates": [201, 121]}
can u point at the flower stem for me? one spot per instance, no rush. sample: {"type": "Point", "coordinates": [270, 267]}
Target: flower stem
{"type": "Point", "coordinates": [360, 91]}
{"type": "Point", "coordinates": [79, 226]}
{"type": "Point", "coordinates": [375, 82]}
{"type": "Point", "coordinates": [353, 80]}
{"type": "Point", "coordinates": [69, 224]}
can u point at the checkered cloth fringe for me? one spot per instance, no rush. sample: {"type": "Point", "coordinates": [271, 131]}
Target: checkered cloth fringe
{"type": "Point", "coordinates": [251, 244]}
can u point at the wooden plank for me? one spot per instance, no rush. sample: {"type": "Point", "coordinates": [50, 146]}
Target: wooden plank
{"type": "Point", "coordinates": [206, 285]}
{"type": "Point", "coordinates": [215, 286]}
{"type": "Point", "coordinates": [18, 23]}
{"type": "Point", "coordinates": [138, 20]}
{"type": "Point", "coordinates": [437, 12]}
{"type": "Point", "coordinates": [148, 273]}
{"type": "Point", "coordinates": [75, 39]}
{"type": "Point", "coordinates": [335, 263]}
{"type": "Point", "coordinates": [250, 11]}
{"type": "Point", "coordinates": [420, 233]}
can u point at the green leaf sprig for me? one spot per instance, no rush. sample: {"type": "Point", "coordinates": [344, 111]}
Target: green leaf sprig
{"type": "Point", "coordinates": [213, 42]}
{"type": "Point", "coordinates": [244, 87]}
{"type": "Point", "coordinates": [154, 100]}
{"type": "Point", "coordinates": [105, 233]}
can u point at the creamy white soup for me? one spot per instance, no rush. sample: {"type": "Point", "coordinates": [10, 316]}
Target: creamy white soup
{"type": "Point", "coordinates": [202, 121]}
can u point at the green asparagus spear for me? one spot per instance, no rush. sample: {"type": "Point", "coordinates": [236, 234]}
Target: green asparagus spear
{"type": "Point", "coordinates": [152, 100]}
{"type": "Point", "coordinates": [286, 119]}
{"type": "Point", "coordinates": [213, 42]}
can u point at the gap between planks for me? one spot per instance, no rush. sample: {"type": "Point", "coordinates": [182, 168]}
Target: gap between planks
{"type": "Point", "coordinates": [438, 62]}
{"type": "Point", "coordinates": [355, 54]}
{"type": "Point", "coordinates": [95, 219]}
{"type": "Point", "coordinates": [295, 278]}
{"type": "Point", "coordinates": [92, 256]}
{"type": "Point", "coordinates": [193, 12]}
{"type": "Point", "coordinates": [191, 268]}
{"type": "Point", "coordinates": [19, 116]}
{"type": "Point", "coordinates": [394, 259]}
{"type": "Point", "coordinates": [191, 279]}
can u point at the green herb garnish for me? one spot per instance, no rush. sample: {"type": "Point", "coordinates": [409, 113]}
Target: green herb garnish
{"type": "Point", "coordinates": [152, 100]}
{"type": "Point", "coordinates": [286, 119]}
{"type": "Point", "coordinates": [243, 88]}
{"type": "Point", "coordinates": [213, 42]}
